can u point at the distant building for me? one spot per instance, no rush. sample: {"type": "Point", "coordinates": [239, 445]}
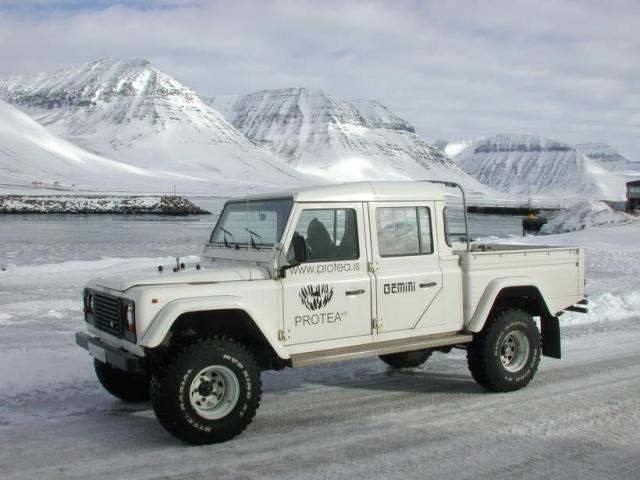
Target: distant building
{"type": "Point", "coordinates": [633, 195]}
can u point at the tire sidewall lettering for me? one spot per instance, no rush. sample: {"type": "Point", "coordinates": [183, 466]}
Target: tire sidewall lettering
{"type": "Point", "coordinates": [528, 370]}
{"type": "Point", "coordinates": [240, 409]}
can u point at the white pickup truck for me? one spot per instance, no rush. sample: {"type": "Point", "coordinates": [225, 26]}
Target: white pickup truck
{"type": "Point", "coordinates": [320, 275]}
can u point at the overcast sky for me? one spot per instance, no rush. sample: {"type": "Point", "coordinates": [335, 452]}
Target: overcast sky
{"type": "Point", "coordinates": [565, 69]}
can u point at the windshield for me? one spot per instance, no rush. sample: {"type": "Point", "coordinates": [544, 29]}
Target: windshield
{"type": "Point", "coordinates": [257, 223]}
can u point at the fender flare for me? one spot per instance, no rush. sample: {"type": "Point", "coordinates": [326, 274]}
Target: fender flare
{"type": "Point", "coordinates": [491, 293]}
{"type": "Point", "coordinates": [166, 317]}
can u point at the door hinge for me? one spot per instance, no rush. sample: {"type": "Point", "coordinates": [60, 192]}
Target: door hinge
{"type": "Point", "coordinates": [372, 267]}
{"type": "Point", "coordinates": [376, 324]}
{"type": "Point", "coordinates": [283, 336]}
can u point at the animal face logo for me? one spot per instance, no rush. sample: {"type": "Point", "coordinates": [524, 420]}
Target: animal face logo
{"type": "Point", "coordinates": [315, 297]}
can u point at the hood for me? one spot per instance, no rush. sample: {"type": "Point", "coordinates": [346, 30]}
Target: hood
{"type": "Point", "coordinates": [208, 274]}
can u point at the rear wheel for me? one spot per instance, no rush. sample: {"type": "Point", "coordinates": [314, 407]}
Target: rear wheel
{"type": "Point", "coordinates": [407, 359]}
{"type": "Point", "coordinates": [208, 392]}
{"type": "Point", "coordinates": [505, 356]}
{"type": "Point", "coordinates": [130, 387]}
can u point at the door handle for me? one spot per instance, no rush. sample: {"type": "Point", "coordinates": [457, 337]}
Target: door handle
{"type": "Point", "coordinates": [428, 284]}
{"type": "Point", "coordinates": [350, 293]}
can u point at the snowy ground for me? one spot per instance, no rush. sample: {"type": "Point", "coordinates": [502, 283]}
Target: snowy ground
{"type": "Point", "coordinates": [579, 418]}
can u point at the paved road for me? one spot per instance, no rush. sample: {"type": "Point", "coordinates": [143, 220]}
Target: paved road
{"type": "Point", "coordinates": [580, 418]}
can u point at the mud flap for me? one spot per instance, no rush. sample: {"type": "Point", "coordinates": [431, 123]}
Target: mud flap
{"type": "Point", "coordinates": [550, 327]}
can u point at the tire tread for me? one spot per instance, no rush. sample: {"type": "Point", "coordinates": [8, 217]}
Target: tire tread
{"type": "Point", "coordinates": [478, 352]}
{"type": "Point", "coordinates": [410, 359]}
{"type": "Point", "coordinates": [161, 406]}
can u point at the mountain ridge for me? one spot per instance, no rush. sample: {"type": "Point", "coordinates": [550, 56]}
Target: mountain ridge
{"type": "Point", "coordinates": [608, 157]}
{"type": "Point", "coordinates": [531, 165]}
{"type": "Point", "coordinates": [335, 138]}
{"type": "Point", "coordinates": [130, 111]}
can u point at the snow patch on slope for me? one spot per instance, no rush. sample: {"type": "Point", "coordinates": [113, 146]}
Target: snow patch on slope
{"type": "Point", "coordinates": [376, 115]}
{"type": "Point", "coordinates": [453, 149]}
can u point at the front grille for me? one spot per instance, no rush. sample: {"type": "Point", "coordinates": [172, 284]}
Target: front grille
{"type": "Point", "coordinates": [108, 314]}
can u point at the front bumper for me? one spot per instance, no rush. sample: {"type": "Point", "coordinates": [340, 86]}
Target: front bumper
{"type": "Point", "coordinates": [116, 357]}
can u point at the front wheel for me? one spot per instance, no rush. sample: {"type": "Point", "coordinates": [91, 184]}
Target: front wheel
{"type": "Point", "coordinates": [130, 387]}
{"type": "Point", "coordinates": [505, 356]}
{"type": "Point", "coordinates": [208, 392]}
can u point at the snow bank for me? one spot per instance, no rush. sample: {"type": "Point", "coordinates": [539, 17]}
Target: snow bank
{"type": "Point", "coordinates": [584, 215]}
{"type": "Point", "coordinates": [607, 307]}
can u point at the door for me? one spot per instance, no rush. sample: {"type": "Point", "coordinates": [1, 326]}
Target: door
{"type": "Point", "coordinates": [408, 277]}
{"type": "Point", "coordinates": [327, 297]}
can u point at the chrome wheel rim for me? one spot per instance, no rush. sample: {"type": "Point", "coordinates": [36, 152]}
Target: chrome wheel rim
{"type": "Point", "coordinates": [514, 351]}
{"type": "Point", "coordinates": [214, 392]}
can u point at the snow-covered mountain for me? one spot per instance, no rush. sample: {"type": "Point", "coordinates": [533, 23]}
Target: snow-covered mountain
{"type": "Point", "coordinates": [31, 155]}
{"type": "Point", "coordinates": [608, 157]}
{"type": "Point", "coordinates": [337, 139]}
{"type": "Point", "coordinates": [129, 111]}
{"type": "Point", "coordinates": [536, 166]}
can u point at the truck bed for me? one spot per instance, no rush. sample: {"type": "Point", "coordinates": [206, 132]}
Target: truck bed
{"type": "Point", "coordinates": [557, 272]}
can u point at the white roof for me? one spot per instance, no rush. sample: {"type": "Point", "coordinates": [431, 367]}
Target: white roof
{"type": "Point", "coordinates": [365, 192]}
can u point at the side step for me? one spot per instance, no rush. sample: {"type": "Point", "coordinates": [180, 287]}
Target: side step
{"type": "Point", "coordinates": [380, 348]}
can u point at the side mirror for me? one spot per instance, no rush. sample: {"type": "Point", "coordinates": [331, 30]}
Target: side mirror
{"type": "Point", "coordinates": [299, 247]}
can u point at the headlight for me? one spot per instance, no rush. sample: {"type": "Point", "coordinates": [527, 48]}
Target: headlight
{"type": "Point", "coordinates": [88, 302]}
{"type": "Point", "coordinates": [130, 315]}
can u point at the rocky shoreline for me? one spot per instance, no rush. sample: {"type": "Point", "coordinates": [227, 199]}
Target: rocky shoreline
{"type": "Point", "coordinates": [99, 204]}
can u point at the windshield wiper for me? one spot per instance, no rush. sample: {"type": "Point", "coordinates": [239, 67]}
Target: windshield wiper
{"type": "Point", "coordinates": [226, 232]}
{"type": "Point", "coordinates": [252, 233]}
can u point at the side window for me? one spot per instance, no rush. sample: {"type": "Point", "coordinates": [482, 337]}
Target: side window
{"type": "Point", "coordinates": [445, 219]}
{"type": "Point", "coordinates": [397, 231]}
{"type": "Point", "coordinates": [404, 231]}
{"type": "Point", "coordinates": [329, 234]}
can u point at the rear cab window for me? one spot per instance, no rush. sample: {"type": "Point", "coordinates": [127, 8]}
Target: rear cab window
{"type": "Point", "coordinates": [454, 228]}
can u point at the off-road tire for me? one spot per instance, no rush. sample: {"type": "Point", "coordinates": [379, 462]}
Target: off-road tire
{"type": "Point", "coordinates": [172, 382]}
{"type": "Point", "coordinates": [130, 387]}
{"type": "Point", "coordinates": [484, 353]}
{"type": "Point", "coordinates": [407, 359]}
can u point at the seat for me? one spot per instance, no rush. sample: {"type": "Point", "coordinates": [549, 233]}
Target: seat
{"type": "Point", "coordinates": [319, 243]}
